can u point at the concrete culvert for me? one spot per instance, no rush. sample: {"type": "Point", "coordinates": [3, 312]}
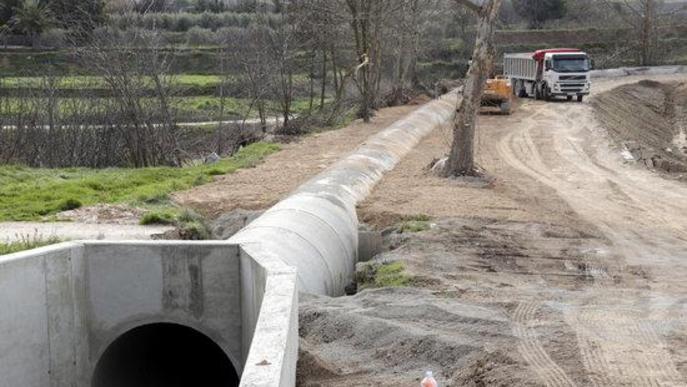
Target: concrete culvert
{"type": "Point", "coordinates": [168, 355]}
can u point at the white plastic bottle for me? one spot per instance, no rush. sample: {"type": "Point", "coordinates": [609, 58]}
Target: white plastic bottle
{"type": "Point", "coordinates": [429, 380]}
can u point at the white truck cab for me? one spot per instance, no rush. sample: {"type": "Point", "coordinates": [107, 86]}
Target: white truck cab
{"type": "Point", "coordinates": [546, 74]}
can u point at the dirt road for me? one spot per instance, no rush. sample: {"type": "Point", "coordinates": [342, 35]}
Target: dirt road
{"type": "Point", "coordinates": [567, 269]}
{"type": "Point", "coordinates": [623, 335]}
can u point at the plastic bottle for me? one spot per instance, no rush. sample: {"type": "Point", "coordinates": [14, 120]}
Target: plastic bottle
{"type": "Point", "coordinates": [429, 380]}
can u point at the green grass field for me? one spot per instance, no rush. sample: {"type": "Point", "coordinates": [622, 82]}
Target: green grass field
{"type": "Point", "coordinates": [195, 108]}
{"type": "Point", "coordinates": [86, 81]}
{"type": "Point", "coordinates": [32, 194]}
{"type": "Point", "coordinates": [89, 81]}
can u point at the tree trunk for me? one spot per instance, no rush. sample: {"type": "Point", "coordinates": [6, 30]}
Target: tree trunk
{"type": "Point", "coordinates": [323, 89]}
{"type": "Point", "coordinates": [647, 40]}
{"type": "Point", "coordinates": [461, 158]}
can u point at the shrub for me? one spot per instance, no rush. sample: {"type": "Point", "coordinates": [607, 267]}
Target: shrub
{"type": "Point", "coordinates": [194, 231]}
{"type": "Point", "coordinates": [69, 204]}
{"type": "Point", "coordinates": [158, 217]}
{"type": "Point", "coordinates": [198, 36]}
{"type": "Point", "coordinates": [414, 226]}
{"type": "Point", "coordinates": [53, 38]}
{"type": "Point", "coordinates": [183, 23]}
{"type": "Point", "coordinates": [415, 223]}
{"type": "Point", "coordinates": [380, 275]}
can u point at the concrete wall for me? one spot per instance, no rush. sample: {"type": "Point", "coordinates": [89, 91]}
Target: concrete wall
{"type": "Point", "coordinates": [62, 306]}
{"type": "Point", "coordinates": [270, 314]}
{"type": "Point", "coordinates": [38, 331]}
{"type": "Point", "coordinates": [316, 228]}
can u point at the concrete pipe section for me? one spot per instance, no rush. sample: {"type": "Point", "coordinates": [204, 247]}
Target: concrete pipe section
{"type": "Point", "coordinates": [316, 229]}
{"type": "Point", "coordinates": [186, 314]}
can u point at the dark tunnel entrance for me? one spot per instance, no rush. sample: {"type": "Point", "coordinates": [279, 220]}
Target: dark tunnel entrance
{"type": "Point", "coordinates": [164, 355]}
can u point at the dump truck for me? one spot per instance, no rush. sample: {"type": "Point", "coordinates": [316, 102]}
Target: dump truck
{"type": "Point", "coordinates": [498, 93]}
{"type": "Point", "coordinates": [551, 73]}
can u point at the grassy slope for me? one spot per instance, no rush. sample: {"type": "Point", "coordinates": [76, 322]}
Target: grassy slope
{"type": "Point", "coordinates": [30, 194]}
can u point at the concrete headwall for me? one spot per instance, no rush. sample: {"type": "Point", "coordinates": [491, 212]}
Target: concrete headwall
{"type": "Point", "coordinates": [62, 306]}
{"type": "Point", "coordinates": [316, 229]}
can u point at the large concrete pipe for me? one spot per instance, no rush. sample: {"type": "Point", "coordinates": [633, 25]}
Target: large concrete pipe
{"type": "Point", "coordinates": [316, 228]}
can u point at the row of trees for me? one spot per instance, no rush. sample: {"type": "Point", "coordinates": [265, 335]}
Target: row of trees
{"type": "Point", "coordinates": [31, 17]}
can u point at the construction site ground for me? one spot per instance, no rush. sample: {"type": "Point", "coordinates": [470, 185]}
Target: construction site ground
{"type": "Point", "coordinates": [565, 266]}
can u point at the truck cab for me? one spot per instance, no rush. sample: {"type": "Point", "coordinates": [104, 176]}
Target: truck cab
{"type": "Point", "coordinates": [565, 74]}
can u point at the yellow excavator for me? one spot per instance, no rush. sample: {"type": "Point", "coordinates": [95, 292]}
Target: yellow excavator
{"type": "Point", "coordinates": [498, 93]}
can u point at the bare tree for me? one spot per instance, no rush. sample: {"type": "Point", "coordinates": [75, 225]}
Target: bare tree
{"type": "Point", "coordinates": [461, 158]}
{"type": "Point", "coordinates": [129, 65]}
{"type": "Point", "coordinates": [643, 18]}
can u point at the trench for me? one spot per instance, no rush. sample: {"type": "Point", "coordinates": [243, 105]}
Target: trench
{"type": "Point", "coordinates": [164, 355]}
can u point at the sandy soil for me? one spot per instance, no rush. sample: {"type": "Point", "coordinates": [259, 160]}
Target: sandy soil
{"type": "Point", "coordinates": [263, 186]}
{"type": "Point", "coordinates": [568, 269]}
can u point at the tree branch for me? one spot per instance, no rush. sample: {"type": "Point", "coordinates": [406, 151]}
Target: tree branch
{"type": "Point", "coordinates": [469, 4]}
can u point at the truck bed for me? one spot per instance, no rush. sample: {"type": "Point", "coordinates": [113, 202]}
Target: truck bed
{"type": "Point", "coordinates": [520, 66]}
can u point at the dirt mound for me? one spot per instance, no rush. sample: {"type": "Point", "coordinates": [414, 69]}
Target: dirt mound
{"type": "Point", "coordinates": [649, 120]}
{"type": "Point", "coordinates": [391, 336]}
{"type": "Point", "coordinates": [495, 369]}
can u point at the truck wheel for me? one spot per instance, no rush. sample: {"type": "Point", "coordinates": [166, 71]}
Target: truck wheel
{"type": "Point", "coordinates": [547, 94]}
{"type": "Point", "coordinates": [569, 98]}
{"type": "Point", "coordinates": [580, 98]}
{"type": "Point", "coordinates": [537, 93]}
{"type": "Point", "coordinates": [505, 107]}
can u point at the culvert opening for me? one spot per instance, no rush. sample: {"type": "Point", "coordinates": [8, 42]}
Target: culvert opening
{"type": "Point", "coordinates": [164, 355]}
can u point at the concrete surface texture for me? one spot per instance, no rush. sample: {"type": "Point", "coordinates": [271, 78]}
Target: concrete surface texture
{"type": "Point", "coordinates": [316, 229]}
{"type": "Point", "coordinates": [64, 305]}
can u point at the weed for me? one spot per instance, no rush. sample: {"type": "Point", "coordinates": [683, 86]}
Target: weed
{"type": "Point", "coordinates": [158, 217]}
{"type": "Point", "coordinates": [195, 231]}
{"type": "Point", "coordinates": [412, 226]}
{"type": "Point", "coordinates": [189, 224]}
{"type": "Point", "coordinates": [27, 243]}
{"type": "Point", "coordinates": [382, 275]}
{"type": "Point", "coordinates": [69, 204]}
{"type": "Point", "coordinates": [418, 218]}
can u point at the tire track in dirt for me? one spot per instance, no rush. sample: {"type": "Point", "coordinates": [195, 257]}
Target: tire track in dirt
{"type": "Point", "coordinates": [532, 350]}
{"type": "Point", "coordinates": [618, 346]}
